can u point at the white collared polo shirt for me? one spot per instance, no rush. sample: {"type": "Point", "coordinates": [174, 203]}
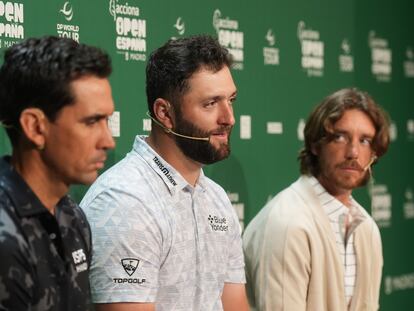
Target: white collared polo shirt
{"type": "Point", "coordinates": [158, 239]}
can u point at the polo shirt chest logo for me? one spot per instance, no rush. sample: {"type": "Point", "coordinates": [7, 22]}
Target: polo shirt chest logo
{"type": "Point", "coordinates": [79, 258]}
{"type": "Point", "coordinates": [218, 223]}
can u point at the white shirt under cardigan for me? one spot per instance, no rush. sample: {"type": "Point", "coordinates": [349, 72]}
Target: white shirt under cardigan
{"type": "Point", "coordinates": [337, 213]}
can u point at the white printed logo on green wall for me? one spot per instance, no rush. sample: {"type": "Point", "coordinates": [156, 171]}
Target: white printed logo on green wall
{"type": "Point", "coordinates": [409, 63]}
{"type": "Point", "coordinates": [381, 57]}
{"type": "Point", "coordinates": [230, 37]}
{"type": "Point", "coordinates": [301, 129]}
{"type": "Point", "coordinates": [410, 129]}
{"type": "Point", "coordinates": [346, 60]}
{"type": "Point", "coordinates": [65, 30]}
{"type": "Point", "coordinates": [270, 52]}
{"type": "Point", "coordinates": [67, 11]}
{"type": "Point", "coordinates": [398, 283]}
{"type": "Point", "coordinates": [11, 23]}
{"type": "Point", "coordinates": [409, 204]}
{"type": "Point", "coordinates": [393, 131]}
{"type": "Point", "coordinates": [180, 26]}
{"type": "Point", "coordinates": [312, 48]}
{"type": "Point", "coordinates": [131, 30]}
{"type": "Point", "coordinates": [381, 202]}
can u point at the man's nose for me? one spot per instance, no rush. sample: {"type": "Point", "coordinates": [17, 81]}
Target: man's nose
{"type": "Point", "coordinates": [107, 141]}
{"type": "Point", "coordinates": [226, 114]}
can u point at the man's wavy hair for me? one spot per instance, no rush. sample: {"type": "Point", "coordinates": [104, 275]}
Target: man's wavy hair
{"type": "Point", "coordinates": [318, 129]}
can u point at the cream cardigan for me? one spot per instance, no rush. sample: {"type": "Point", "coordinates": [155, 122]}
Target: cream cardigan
{"type": "Point", "coordinates": [292, 261]}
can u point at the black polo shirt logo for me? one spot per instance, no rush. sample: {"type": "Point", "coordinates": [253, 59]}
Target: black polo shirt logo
{"type": "Point", "coordinates": [79, 258]}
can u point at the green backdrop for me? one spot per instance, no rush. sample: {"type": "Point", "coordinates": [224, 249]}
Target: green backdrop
{"type": "Point", "coordinates": [289, 55]}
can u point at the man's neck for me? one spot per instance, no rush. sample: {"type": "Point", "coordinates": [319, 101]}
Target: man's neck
{"type": "Point", "coordinates": [46, 186]}
{"type": "Point", "coordinates": [166, 147]}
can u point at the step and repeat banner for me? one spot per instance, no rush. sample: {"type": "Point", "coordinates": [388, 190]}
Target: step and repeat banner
{"type": "Point", "coordinates": [288, 56]}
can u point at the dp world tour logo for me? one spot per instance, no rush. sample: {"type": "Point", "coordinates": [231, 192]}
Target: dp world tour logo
{"type": "Point", "coordinates": [130, 265]}
{"type": "Point", "coordinates": [67, 11]}
{"type": "Point", "coordinates": [180, 26]}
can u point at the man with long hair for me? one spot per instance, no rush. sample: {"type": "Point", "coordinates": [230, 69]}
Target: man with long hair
{"type": "Point", "coordinates": [313, 247]}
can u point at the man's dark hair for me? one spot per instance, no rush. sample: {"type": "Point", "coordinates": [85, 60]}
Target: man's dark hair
{"type": "Point", "coordinates": [38, 73]}
{"type": "Point", "coordinates": [170, 66]}
{"type": "Point", "coordinates": [318, 129]}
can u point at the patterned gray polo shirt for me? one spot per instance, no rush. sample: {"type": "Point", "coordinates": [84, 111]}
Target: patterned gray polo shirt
{"type": "Point", "coordinates": [158, 239]}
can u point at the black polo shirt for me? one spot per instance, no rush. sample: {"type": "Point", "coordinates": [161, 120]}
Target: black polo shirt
{"type": "Point", "coordinates": [44, 258]}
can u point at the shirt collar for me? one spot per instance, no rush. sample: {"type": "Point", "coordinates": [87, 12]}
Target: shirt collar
{"type": "Point", "coordinates": [25, 201]}
{"type": "Point", "coordinates": [170, 176]}
{"type": "Point", "coordinates": [332, 206]}
{"type": "Point", "coordinates": [336, 210]}
{"type": "Point", "coordinates": [202, 181]}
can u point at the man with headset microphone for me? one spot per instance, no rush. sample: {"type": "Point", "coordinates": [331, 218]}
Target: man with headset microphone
{"type": "Point", "coordinates": [313, 247]}
{"type": "Point", "coordinates": [165, 236]}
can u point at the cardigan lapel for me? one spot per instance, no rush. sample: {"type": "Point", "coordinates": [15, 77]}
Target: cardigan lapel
{"type": "Point", "coordinates": [305, 190]}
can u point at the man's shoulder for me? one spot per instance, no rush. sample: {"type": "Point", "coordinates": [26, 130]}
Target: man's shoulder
{"type": "Point", "coordinates": [5, 202]}
{"type": "Point", "coordinates": [289, 199]}
{"type": "Point", "coordinates": [75, 217]}
{"type": "Point", "coordinates": [12, 238]}
{"type": "Point", "coordinates": [130, 175]}
{"type": "Point", "coordinates": [7, 191]}
{"type": "Point", "coordinates": [128, 168]}
{"type": "Point", "coordinates": [8, 216]}
{"type": "Point", "coordinates": [287, 209]}
{"type": "Point", "coordinates": [130, 187]}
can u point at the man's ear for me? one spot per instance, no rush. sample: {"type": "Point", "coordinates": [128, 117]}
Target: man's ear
{"type": "Point", "coordinates": [34, 126]}
{"type": "Point", "coordinates": [314, 149]}
{"type": "Point", "coordinates": [163, 112]}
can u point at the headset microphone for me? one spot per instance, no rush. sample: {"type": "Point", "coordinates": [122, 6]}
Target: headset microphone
{"type": "Point", "coordinates": [368, 166]}
{"type": "Point", "coordinates": [167, 130]}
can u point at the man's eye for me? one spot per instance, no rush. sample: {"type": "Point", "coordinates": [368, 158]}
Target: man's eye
{"type": "Point", "coordinates": [91, 121]}
{"type": "Point", "coordinates": [210, 103]}
{"type": "Point", "coordinates": [339, 137]}
{"type": "Point", "coordinates": [366, 141]}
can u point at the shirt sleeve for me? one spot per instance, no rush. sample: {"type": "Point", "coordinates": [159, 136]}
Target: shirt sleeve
{"type": "Point", "coordinates": [235, 267]}
{"type": "Point", "coordinates": [16, 275]}
{"type": "Point", "coordinates": [127, 247]}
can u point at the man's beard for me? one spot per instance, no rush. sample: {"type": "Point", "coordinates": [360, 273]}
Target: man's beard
{"type": "Point", "coordinates": [201, 151]}
{"type": "Point", "coordinates": [336, 180]}
{"type": "Point", "coordinates": [363, 181]}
